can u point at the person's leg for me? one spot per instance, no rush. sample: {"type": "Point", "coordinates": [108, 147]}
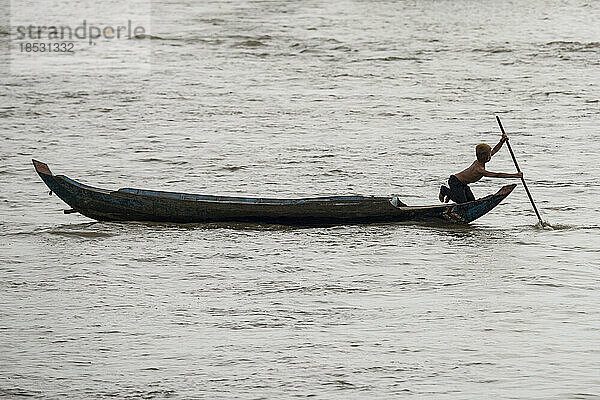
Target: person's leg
{"type": "Point", "coordinates": [457, 194]}
{"type": "Point", "coordinates": [444, 191]}
{"type": "Point", "coordinates": [457, 191]}
{"type": "Point", "coordinates": [468, 194]}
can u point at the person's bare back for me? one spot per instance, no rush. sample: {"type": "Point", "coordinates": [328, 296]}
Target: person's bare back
{"type": "Point", "coordinates": [459, 190]}
{"type": "Point", "coordinates": [472, 174]}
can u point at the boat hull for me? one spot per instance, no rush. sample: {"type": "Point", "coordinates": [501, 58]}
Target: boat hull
{"type": "Point", "coordinates": [147, 205]}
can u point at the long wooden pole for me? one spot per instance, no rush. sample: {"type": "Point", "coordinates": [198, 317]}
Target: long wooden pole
{"type": "Point", "coordinates": [519, 170]}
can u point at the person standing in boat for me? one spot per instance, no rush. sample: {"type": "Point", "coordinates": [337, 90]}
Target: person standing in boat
{"type": "Point", "coordinates": [459, 190]}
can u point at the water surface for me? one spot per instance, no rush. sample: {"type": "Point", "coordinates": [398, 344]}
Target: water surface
{"type": "Point", "coordinates": [290, 99]}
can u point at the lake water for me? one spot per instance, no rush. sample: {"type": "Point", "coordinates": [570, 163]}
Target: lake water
{"type": "Point", "coordinates": [287, 99]}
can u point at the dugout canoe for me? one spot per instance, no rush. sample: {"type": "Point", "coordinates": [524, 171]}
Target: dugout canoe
{"type": "Point", "coordinates": [150, 205]}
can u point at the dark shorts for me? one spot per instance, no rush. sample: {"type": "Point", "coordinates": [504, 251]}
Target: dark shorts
{"type": "Point", "coordinates": [458, 192]}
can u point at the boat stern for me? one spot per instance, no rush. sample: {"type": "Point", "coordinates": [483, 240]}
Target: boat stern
{"type": "Point", "coordinates": [41, 168]}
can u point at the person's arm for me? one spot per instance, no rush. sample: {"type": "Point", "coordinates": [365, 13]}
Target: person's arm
{"type": "Point", "coordinates": [491, 174]}
{"type": "Point", "coordinates": [500, 143]}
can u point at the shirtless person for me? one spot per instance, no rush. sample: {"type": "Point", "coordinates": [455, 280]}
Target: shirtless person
{"type": "Point", "coordinates": [459, 190]}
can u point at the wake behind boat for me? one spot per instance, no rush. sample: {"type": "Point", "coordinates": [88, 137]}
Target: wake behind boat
{"type": "Point", "coordinates": [149, 205]}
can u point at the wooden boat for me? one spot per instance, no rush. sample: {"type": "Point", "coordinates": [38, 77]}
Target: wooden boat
{"type": "Point", "coordinates": [150, 205]}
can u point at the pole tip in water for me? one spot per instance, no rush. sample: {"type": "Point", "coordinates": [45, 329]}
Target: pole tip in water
{"type": "Point", "coordinates": [551, 227]}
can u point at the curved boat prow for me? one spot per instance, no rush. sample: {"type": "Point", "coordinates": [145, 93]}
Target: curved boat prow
{"type": "Point", "coordinates": [506, 190]}
{"type": "Point", "coordinates": [470, 211]}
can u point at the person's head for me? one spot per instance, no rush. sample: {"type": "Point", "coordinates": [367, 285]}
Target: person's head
{"type": "Point", "coordinates": [483, 151]}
